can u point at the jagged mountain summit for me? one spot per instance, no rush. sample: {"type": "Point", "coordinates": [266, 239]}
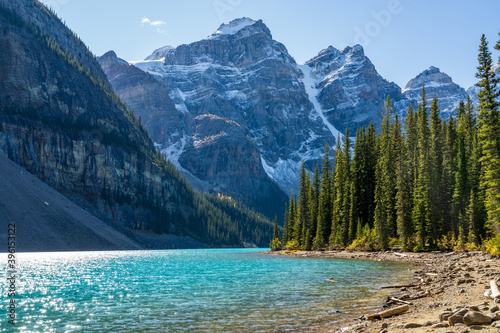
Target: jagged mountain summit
{"type": "Point", "coordinates": [436, 83]}
{"type": "Point", "coordinates": [350, 90]}
{"type": "Point", "coordinates": [285, 111]}
{"type": "Point", "coordinates": [240, 74]}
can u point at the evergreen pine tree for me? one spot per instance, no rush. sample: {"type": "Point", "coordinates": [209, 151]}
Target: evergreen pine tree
{"type": "Point", "coordinates": [285, 226]}
{"type": "Point", "coordinates": [421, 200]}
{"type": "Point", "coordinates": [325, 205]}
{"type": "Point", "coordinates": [462, 188]}
{"type": "Point", "coordinates": [489, 134]}
{"type": "Point", "coordinates": [342, 180]}
{"type": "Point", "coordinates": [291, 219]}
{"type": "Point", "coordinates": [436, 203]}
{"type": "Point", "coordinates": [403, 216]}
{"type": "Point", "coordinates": [276, 234]}
{"type": "Point", "coordinates": [471, 219]}
{"type": "Point", "coordinates": [314, 201]}
{"type": "Point", "coordinates": [303, 222]}
{"type": "Point", "coordinates": [448, 178]}
{"type": "Point", "coordinates": [384, 196]}
{"type": "Point", "coordinates": [405, 199]}
{"type": "Point", "coordinates": [357, 186]}
{"type": "Point", "coordinates": [369, 163]}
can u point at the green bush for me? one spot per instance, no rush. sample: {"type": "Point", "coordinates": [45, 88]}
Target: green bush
{"type": "Point", "coordinates": [492, 246]}
{"type": "Point", "coordinates": [292, 245]}
{"type": "Point", "coordinates": [367, 241]}
{"type": "Point", "coordinates": [275, 244]}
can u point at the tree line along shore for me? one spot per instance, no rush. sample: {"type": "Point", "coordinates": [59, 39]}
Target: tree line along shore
{"type": "Point", "coordinates": [424, 183]}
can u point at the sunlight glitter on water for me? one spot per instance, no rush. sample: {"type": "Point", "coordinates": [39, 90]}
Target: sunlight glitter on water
{"type": "Point", "coordinates": [192, 290]}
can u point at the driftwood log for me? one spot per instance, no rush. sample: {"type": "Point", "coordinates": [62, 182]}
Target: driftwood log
{"type": "Point", "coordinates": [400, 286]}
{"type": "Point", "coordinates": [420, 294]}
{"type": "Point", "coordinates": [495, 293]}
{"type": "Point", "coordinates": [388, 313]}
{"type": "Point", "coordinates": [399, 300]}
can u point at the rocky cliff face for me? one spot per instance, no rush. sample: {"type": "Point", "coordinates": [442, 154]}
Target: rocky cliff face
{"type": "Point", "coordinates": [64, 128]}
{"type": "Point", "coordinates": [216, 154]}
{"type": "Point", "coordinates": [350, 90]}
{"type": "Point", "coordinates": [149, 98]}
{"type": "Point", "coordinates": [241, 74]}
{"type": "Point", "coordinates": [61, 121]}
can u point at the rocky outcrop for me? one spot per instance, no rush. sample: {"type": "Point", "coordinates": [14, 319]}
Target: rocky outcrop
{"type": "Point", "coordinates": [159, 54]}
{"type": "Point", "coordinates": [222, 154]}
{"type": "Point", "coordinates": [60, 224]}
{"type": "Point", "coordinates": [149, 99]}
{"type": "Point", "coordinates": [350, 90]}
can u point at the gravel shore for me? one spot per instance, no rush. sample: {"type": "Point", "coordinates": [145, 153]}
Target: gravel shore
{"type": "Point", "coordinates": [443, 285]}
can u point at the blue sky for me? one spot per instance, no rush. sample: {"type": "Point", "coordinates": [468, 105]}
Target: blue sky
{"type": "Point", "coordinates": [401, 37]}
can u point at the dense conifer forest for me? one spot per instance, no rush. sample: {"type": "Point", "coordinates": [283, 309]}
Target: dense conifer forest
{"type": "Point", "coordinates": [424, 183]}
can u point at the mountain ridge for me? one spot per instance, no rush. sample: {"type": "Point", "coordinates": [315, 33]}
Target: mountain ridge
{"type": "Point", "coordinates": [224, 73]}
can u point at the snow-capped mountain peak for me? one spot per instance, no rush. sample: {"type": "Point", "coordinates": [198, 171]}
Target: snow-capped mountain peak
{"type": "Point", "coordinates": [233, 27]}
{"type": "Point", "coordinates": [431, 77]}
{"type": "Point", "coordinates": [436, 83]}
{"type": "Point", "coordinates": [160, 53]}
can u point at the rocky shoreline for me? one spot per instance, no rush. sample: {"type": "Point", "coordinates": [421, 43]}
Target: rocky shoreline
{"type": "Point", "coordinates": [445, 295]}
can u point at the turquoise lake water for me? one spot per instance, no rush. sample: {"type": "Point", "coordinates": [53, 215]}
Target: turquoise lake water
{"type": "Point", "coordinates": [215, 290]}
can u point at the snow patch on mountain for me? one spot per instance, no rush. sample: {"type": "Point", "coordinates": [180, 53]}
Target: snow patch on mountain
{"type": "Point", "coordinates": [159, 54]}
{"type": "Point", "coordinates": [153, 67]}
{"type": "Point", "coordinates": [310, 84]}
{"type": "Point", "coordinates": [284, 172]}
{"type": "Point", "coordinates": [173, 151]}
{"type": "Point", "coordinates": [233, 27]}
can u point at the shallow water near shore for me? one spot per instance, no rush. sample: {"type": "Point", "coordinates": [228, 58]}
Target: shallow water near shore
{"type": "Point", "coordinates": [209, 290]}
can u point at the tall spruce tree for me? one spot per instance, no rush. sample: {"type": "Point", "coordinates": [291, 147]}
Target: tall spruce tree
{"type": "Point", "coordinates": [276, 234]}
{"type": "Point", "coordinates": [285, 226]}
{"type": "Point", "coordinates": [325, 205]}
{"type": "Point", "coordinates": [369, 165]}
{"type": "Point", "coordinates": [462, 183]}
{"type": "Point", "coordinates": [489, 134]}
{"type": "Point", "coordinates": [421, 201]}
{"type": "Point", "coordinates": [385, 176]}
{"type": "Point", "coordinates": [448, 177]}
{"type": "Point", "coordinates": [436, 197]}
{"type": "Point", "coordinates": [403, 210]}
{"type": "Point", "coordinates": [405, 198]}
{"type": "Point", "coordinates": [357, 185]}
{"type": "Point", "coordinates": [341, 186]}
{"type": "Point", "coordinates": [275, 242]}
{"type": "Point", "coordinates": [314, 201]}
{"type": "Point", "coordinates": [303, 222]}
{"type": "Point", "coordinates": [292, 217]}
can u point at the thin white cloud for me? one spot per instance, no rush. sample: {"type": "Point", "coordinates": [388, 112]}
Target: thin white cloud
{"type": "Point", "coordinates": [158, 25]}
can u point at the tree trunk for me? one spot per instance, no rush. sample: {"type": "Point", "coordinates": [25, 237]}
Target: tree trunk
{"type": "Point", "coordinates": [389, 313]}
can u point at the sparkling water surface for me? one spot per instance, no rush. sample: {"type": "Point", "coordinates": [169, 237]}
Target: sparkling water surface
{"type": "Point", "coordinates": [214, 290]}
